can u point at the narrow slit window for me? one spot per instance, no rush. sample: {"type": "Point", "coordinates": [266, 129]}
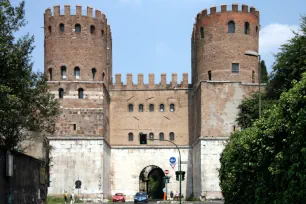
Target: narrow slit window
{"type": "Point", "coordinates": [62, 28]}
{"type": "Point", "coordinates": [231, 27]}
{"type": "Point", "coordinates": [161, 108]}
{"type": "Point", "coordinates": [50, 30]}
{"type": "Point", "coordinates": [74, 126]}
{"type": "Point", "coordinates": [172, 109]}
{"type": "Point", "coordinates": [77, 28]}
{"type": "Point", "coordinates": [92, 29]}
{"type": "Point", "coordinates": [209, 75]}
{"type": "Point", "coordinates": [131, 137]}
{"type": "Point", "coordinates": [247, 28]}
{"type": "Point", "coordinates": [131, 108]}
{"type": "Point", "coordinates": [93, 72]}
{"type": "Point", "coordinates": [103, 76]}
{"type": "Point", "coordinates": [161, 136]}
{"type": "Point", "coordinates": [171, 136]}
{"type": "Point", "coordinates": [81, 93]}
{"type": "Point", "coordinates": [253, 76]}
{"type": "Point", "coordinates": [256, 29]}
{"type": "Point", "coordinates": [77, 73]}
{"type": "Point", "coordinates": [102, 33]}
{"type": "Point", "coordinates": [50, 74]}
{"type": "Point", "coordinates": [151, 107]}
{"type": "Point", "coordinates": [235, 68]}
{"type": "Point", "coordinates": [202, 32]}
{"type": "Point", "coordinates": [61, 93]}
{"type": "Point", "coordinates": [63, 72]}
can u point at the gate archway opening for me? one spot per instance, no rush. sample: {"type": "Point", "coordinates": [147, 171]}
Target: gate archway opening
{"type": "Point", "coordinates": [151, 181]}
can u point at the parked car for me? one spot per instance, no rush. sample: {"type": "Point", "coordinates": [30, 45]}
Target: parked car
{"type": "Point", "coordinates": [119, 197]}
{"type": "Point", "coordinates": [141, 197]}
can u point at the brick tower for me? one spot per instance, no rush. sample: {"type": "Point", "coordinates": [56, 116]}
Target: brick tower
{"type": "Point", "coordinates": [78, 53]}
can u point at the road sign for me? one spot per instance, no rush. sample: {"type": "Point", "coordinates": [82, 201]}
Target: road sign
{"type": "Point", "coordinates": [166, 171]}
{"type": "Point", "coordinates": [172, 160]}
{"type": "Point", "coordinates": [164, 190]}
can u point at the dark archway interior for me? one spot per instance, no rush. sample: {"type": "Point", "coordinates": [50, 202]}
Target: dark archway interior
{"type": "Point", "coordinates": [151, 181]}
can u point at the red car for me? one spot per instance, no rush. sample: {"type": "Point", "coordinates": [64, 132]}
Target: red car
{"type": "Point", "coordinates": [119, 197]}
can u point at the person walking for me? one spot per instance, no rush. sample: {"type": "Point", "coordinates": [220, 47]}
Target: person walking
{"type": "Point", "coordinates": [171, 195]}
{"type": "Point", "coordinates": [65, 197]}
{"type": "Point", "coordinates": [72, 198]}
{"type": "Point", "coordinates": [177, 195]}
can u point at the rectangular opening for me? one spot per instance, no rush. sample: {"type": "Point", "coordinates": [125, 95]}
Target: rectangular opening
{"type": "Point", "coordinates": [74, 126]}
{"type": "Point", "coordinates": [235, 68]}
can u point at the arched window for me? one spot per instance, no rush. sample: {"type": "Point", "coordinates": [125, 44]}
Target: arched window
{"type": "Point", "coordinates": [92, 29]}
{"type": "Point", "coordinates": [172, 108]}
{"type": "Point", "coordinates": [61, 93]}
{"type": "Point", "coordinates": [62, 27]}
{"type": "Point", "coordinates": [140, 108]}
{"type": "Point", "coordinates": [77, 73]}
{"type": "Point", "coordinates": [161, 136]}
{"type": "Point", "coordinates": [50, 30]}
{"type": "Point", "coordinates": [253, 76]}
{"type": "Point", "coordinates": [151, 107]}
{"type": "Point", "coordinates": [151, 136]}
{"type": "Point", "coordinates": [246, 28]}
{"type": "Point", "coordinates": [130, 107]}
{"type": "Point", "coordinates": [77, 28]}
{"type": "Point", "coordinates": [231, 27]}
{"type": "Point", "coordinates": [63, 72]}
{"type": "Point", "coordinates": [102, 33]}
{"type": "Point", "coordinates": [131, 136]}
{"type": "Point", "coordinates": [209, 75]}
{"type": "Point", "coordinates": [81, 93]}
{"type": "Point", "coordinates": [202, 32]}
{"type": "Point", "coordinates": [93, 72]}
{"type": "Point", "coordinates": [50, 74]}
{"type": "Point", "coordinates": [103, 76]}
{"type": "Point", "coordinates": [171, 136]}
{"type": "Point", "coordinates": [161, 108]}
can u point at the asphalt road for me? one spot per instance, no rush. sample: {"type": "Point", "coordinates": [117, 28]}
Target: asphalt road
{"type": "Point", "coordinates": [186, 202]}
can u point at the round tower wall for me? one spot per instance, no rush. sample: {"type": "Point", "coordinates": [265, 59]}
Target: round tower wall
{"type": "Point", "coordinates": [64, 46]}
{"type": "Point", "coordinates": [215, 49]}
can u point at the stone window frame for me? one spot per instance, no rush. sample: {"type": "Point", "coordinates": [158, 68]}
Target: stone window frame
{"type": "Point", "coordinates": [151, 136]}
{"type": "Point", "coordinates": [235, 71]}
{"type": "Point", "coordinates": [61, 28]}
{"type": "Point", "coordinates": [61, 93]}
{"type": "Point", "coordinates": [93, 73]}
{"type": "Point", "coordinates": [50, 72]}
{"type": "Point", "coordinates": [247, 28]}
{"type": "Point", "coordinates": [151, 107]}
{"type": "Point", "coordinates": [77, 69]}
{"type": "Point", "coordinates": [92, 29]}
{"type": "Point", "coordinates": [130, 108]}
{"type": "Point", "coordinates": [172, 104]}
{"type": "Point", "coordinates": [81, 93]}
{"type": "Point", "coordinates": [161, 108]}
{"type": "Point", "coordinates": [202, 32]}
{"type": "Point", "coordinates": [131, 137]}
{"type": "Point", "coordinates": [229, 29]}
{"type": "Point", "coordinates": [140, 107]}
{"type": "Point", "coordinates": [171, 136]}
{"type": "Point", "coordinates": [161, 136]}
{"type": "Point", "coordinates": [63, 72]}
{"type": "Point", "coordinates": [76, 26]}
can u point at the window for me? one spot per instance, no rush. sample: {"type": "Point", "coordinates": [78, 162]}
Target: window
{"type": "Point", "coordinates": [49, 29]}
{"type": "Point", "coordinates": [256, 29]}
{"type": "Point", "coordinates": [231, 27]}
{"type": "Point", "coordinates": [74, 127]}
{"type": "Point", "coordinates": [102, 33]}
{"type": "Point", "coordinates": [161, 136]}
{"type": "Point", "coordinates": [92, 29]}
{"type": "Point", "coordinates": [103, 76]}
{"type": "Point", "coordinates": [131, 108]}
{"type": "Point", "coordinates": [172, 108]}
{"type": "Point", "coordinates": [63, 72]}
{"type": "Point", "coordinates": [151, 108]}
{"type": "Point", "coordinates": [81, 93]}
{"type": "Point", "coordinates": [77, 28]}
{"type": "Point", "coordinates": [246, 28]}
{"type": "Point", "coordinates": [131, 136]}
{"type": "Point", "coordinates": [235, 68]}
{"type": "Point", "coordinates": [151, 136]}
{"type": "Point", "coordinates": [202, 32]}
{"type": "Point", "coordinates": [171, 136]}
{"type": "Point", "coordinates": [161, 108]}
{"type": "Point", "coordinates": [140, 108]}
{"type": "Point", "coordinates": [209, 75]}
{"type": "Point", "coordinates": [93, 71]}
{"type": "Point", "coordinates": [50, 74]}
{"type": "Point", "coordinates": [253, 76]}
{"type": "Point", "coordinates": [62, 27]}
{"type": "Point", "coordinates": [77, 73]}
{"type": "Point", "coordinates": [61, 93]}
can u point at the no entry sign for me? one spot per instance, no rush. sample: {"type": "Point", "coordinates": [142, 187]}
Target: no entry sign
{"type": "Point", "coordinates": [166, 171]}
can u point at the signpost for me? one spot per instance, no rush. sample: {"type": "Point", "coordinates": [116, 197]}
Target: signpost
{"type": "Point", "coordinates": [166, 171]}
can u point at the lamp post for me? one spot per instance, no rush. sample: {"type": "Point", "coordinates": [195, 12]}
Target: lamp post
{"type": "Point", "coordinates": [255, 54]}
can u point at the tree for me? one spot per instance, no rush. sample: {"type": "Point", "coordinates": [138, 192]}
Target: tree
{"type": "Point", "coordinates": [264, 72]}
{"type": "Point", "coordinates": [265, 163]}
{"type": "Point", "coordinates": [25, 104]}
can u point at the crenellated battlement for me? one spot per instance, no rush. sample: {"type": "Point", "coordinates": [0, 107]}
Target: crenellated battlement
{"type": "Point", "coordinates": [67, 11]}
{"type": "Point", "coordinates": [151, 85]}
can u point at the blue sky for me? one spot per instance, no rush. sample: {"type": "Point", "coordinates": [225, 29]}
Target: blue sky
{"type": "Point", "coordinates": [153, 36]}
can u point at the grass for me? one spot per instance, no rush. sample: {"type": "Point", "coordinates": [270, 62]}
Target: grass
{"type": "Point", "coordinates": [59, 200]}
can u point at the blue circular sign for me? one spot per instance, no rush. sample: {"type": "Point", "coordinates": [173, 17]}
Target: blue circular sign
{"type": "Point", "coordinates": [172, 160]}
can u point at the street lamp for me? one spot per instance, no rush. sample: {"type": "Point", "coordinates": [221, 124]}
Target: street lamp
{"type": "Point", "coordinates": [255, 54]}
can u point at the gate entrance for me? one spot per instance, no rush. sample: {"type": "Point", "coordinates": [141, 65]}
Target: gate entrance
{"type": "Point", "coordinates": [151, 181]}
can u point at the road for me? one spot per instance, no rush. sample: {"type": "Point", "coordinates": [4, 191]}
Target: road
{"type": "Point", "coordinates": [186, 202]}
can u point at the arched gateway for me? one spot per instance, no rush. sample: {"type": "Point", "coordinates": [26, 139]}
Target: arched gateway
{"type": "Point", "coordinates": [151, 181]}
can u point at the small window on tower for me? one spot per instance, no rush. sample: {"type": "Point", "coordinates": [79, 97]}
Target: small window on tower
{"type": "Point", "coordinates": [151, 136]}
{"type": "Point", "coordinates": [172, 109]}
{"type": "Point", "coordinates": [93, 72]}
{"type": "Point", "coordinates": [61, 93]}
{"type": "Point", "coordinates": [63, 72]}
{"type": "Point", "coordinates": [131, 136]}
{"type": "Point", "coordinates": [81, 93]}
{"type": "Point", "coordinates": [50, 74]}
{"type": "Point", "coordinates": [140, 108]}
{"type": "Point", "coordinates": [92, 29]}
{"type": "Point", "coordinates": [102, 33]}
{"type": "Point", "coordinates": [209, 75]}
{"type": "Point", "coordinates": [256, 29]}
{"type": "Point", "coordinates": [77, 28]}
{"type": "Point", "coordinates": [151, 107]}
{"type": "Point", "coordinates": [253, 76]}
{"type": "Point", "coordinates": [161, 108]}
{"type": "Point", "coordinates": [235, 68]}
{"type": "Point", "coordinates": [50, 30]}
{"type": "Point", "coordinates": [231, 27]}
{"type": "Point", "coordinates": [62, 27]}
{"type": "Point", "coordinates": [77, 73]}
{"type": "Point", "coordinates": [202, 32]}
{"type": "Point", "coordinates": [103, 76]}
{"type": "Point", "coordinates": [130, 107]}
{"type": "Point", "coordinates": [247, 28]}
{"type": "Point", "coordinates": [161, 136]}
{"type": "Point", "coordinates": [171, 136]}
{"type": "Point", "coordinates": [74, 126]}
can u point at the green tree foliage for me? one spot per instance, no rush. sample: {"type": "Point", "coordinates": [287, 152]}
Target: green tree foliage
{"type": "Point", "coordinates": [264, 72]}
{"type": "Point", "coordinates": [265, 163]}
{"type": "Point", "coordinates": [25, 104]}
{"type": "Point", "coordinates": [289, 65]}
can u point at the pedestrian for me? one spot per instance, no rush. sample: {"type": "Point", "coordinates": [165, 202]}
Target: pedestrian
{"type": "Point", "coordinates": [65, 197]}
{"type": "Point", "coordinates": [171, 195]}
{"type": "Point", "coordinates": [177, 195]}
{"type": "Point", "coordinates": [72, 198]}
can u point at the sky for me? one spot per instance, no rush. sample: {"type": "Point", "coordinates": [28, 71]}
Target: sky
{"type": "Point", "coordinates": [154, 36]}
